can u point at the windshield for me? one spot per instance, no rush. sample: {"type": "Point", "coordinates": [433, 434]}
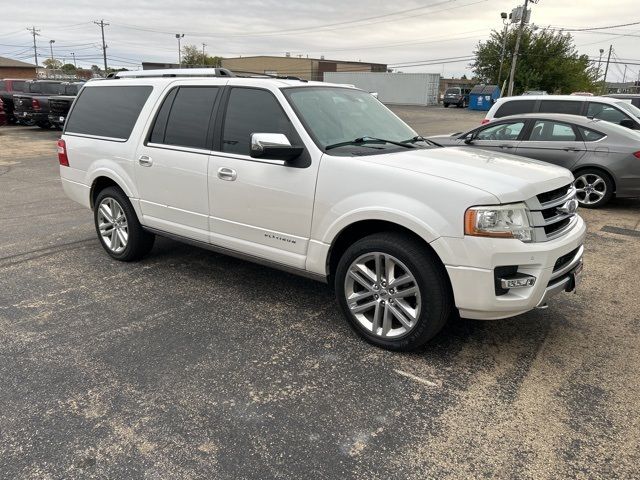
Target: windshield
{"type": "Point", "coordinates": [71, 89]}
{"type": "Point", "coordinates": [44, 87]}
{"type": "Point", "coordinates": [632, 109]}
{"type": "Point", "coordinates": [453, 90]}
{"type": "Point", "coordinates": [334, 115]}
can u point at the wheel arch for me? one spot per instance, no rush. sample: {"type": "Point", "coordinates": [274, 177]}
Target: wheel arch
{"type": "Point", "coordinates": [363, 228]}
{"type": "Point", "coordinates": [102, 179]}
{"type": "Point", "coordinates": [581, 167]}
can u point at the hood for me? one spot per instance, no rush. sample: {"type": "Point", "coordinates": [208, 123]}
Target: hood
{"type": "Point", "coordinates": [447, 140]}
{"type": "Point", "coordinates": [508, 177]}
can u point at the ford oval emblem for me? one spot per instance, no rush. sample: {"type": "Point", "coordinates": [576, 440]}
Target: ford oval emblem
{"type": "Point", "coordinates": [569, 207]}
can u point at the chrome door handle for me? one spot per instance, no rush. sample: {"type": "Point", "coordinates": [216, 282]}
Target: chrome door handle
{"type": "Point", "coordinates": [145, 161]}
{"type": "Point", "coordinates": [571, 149]}
{"type": "Point", "coordinates": [228, 174]}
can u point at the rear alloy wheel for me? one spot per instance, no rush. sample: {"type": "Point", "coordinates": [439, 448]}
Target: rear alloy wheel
{"type": "Point", "coordinates": [594, 188]}
{"type": "Point", "coordinates": [118, 228]}
{"type": "Point", "coordinates": [393, 291]}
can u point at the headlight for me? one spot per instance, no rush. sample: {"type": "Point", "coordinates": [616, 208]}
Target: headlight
{"type": "Point", "coordinates": [501, 221]}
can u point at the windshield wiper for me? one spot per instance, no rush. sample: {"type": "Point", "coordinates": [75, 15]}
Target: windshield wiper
{"type": "Point", "coordinates": [367, 139]}
{"type": "Point", "coordinates": [420, 138]}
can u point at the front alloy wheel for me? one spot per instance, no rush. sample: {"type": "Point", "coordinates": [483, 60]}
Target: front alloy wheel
{"type": "Point", "coordinates": [382, 295]}
{"type": "Point", "coordinates": [393, 290]}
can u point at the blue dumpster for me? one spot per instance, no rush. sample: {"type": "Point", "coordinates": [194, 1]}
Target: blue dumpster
{"type": "Point", "coordinates": [482, 97]}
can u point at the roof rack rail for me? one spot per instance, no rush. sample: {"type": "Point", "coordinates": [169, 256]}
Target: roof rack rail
{"type": "Point", "coordinates": [240, 73]}
{"type": "Point", "coordinates": [174, 72]}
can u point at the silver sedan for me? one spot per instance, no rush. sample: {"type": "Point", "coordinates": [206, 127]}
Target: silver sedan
{"type": "Point", "coordinates": [604, 157]}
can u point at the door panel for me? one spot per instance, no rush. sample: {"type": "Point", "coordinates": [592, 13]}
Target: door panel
{"type": "Point", "coordinates": [553, 142]}
{"type": "Point", "coordinates": [502, 137]}
{"type": "Point", "coordinates": [261, 207]}
{"type": "Point", "coordinates": [173, 190]}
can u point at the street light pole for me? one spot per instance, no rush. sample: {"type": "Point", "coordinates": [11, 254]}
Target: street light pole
{"type": "Point", "coordinates": [179, 36]}
{"type": "Point", "coordinates": [204, 58]}
{"type": "Point", "coordinates": [53, 64]}
{"type": "Point", "coordinates": [600, 62]}
{"type": "Point", "coordinates": [514, 59]}
{"type": "Point", "coordinates": [503, 15]}
{"type": "Point", "coordinates": [74, 60]}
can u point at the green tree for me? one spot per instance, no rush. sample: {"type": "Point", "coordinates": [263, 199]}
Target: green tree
{"type": "Point", "coordinates": [53, 64]}
{"type": "Point", "coordinates": [68, 68]}
{"type": "Point", "coordinates": [192, 56]}
{"type": "Point", "coordinates": [547, 60]}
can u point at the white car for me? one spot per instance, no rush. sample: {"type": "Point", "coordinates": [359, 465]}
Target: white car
{"type": "Point", "coordinates": [326, 182]}
{"type": "Point", "coordinates": [612, 110]}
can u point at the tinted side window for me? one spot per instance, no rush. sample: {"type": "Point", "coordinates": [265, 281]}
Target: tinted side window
{"type": "Point", "coordinates": [503, 131]}
{"type": "Point", "coordinates": [515, 107]}
{"type": "Point", "coordinates": [606, 112]}
{"type": "Point", "coordinates": [590, 135]}
{"type": "Point", "coordinates": [2, 86]}
{"type": "Point", "coordinates": [252, 111]}
{"type": "Point", "coordinates": [107, 111]}
{"type": "Point", "coordinates": [560, 106]}
{"type": "Point", "coordinates": [548, 131]}
{"type": "Point", "coordinates": [188, 117]}
{"type": "Point", "coordinates": [18, 86]}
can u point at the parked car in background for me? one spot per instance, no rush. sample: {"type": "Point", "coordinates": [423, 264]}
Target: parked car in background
{"type": "Point", "coordinates": [535, 92]}
{"type": "Point", "coordinates": [32, 106]}
{"type": "Point", "coordinates": [456, 96]}
{"type": "Point", "coordinates": [604, 157]}
{"type": "Point", "coordinates": [583, 94]}
{"type": "Point", "coordinates": [322, 181]}
{"type": "Point", "coordinates": [634, 98]}
{"type": "Point", "coordinates": [8, 88]}
{"type": "Point", "coordinates": [3, 115]}
{"type": "Point", "coordinates": [59, 105]}
{"type": "Point", "coordinates": [603, 108]}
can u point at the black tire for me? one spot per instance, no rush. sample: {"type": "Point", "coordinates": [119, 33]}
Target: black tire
{"type": "Point", "coordinates": [139, 241]}
{"type": "Point", "coordinates": [44, 125]}
{"type": "Point", "coordinates": [28, 122]}
{"type": "Point", "coordinates": [590, 176]}
{"type": "Point", "coordinates": [446, 105]}
{"type": "Point", "coordinates": [431, 278]}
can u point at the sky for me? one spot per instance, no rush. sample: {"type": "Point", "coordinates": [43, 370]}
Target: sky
{"type": "Point", "coordinates": [435, 36]}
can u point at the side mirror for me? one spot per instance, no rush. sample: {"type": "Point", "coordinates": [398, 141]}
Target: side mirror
{"type": "Point", "coordinates": [273, 146]}
{"type": "Point", "coordinates": [469, 138]}
{"type": "Point", "coordinates": [627, 122]}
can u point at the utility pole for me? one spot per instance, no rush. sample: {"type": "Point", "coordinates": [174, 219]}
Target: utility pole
{"type": "Point", "coordinates": [204, 58]}
{"type": "Point", "coordinates": [503, 15]}
{"type": "Point", "coordinates": [34, 31]}
{"type": "Point", "coordinates": [514, 59]}
{"type": "Point", "coordinates": [606, 70]}
{"type": "Point", "coordinates": [179, 36]}
{"type": "Point", "coordinates": [104, 46]}
{"type": "Point", "coordinates": [53, 64]}
{"type": "Point", "coordinates": [624, 76]}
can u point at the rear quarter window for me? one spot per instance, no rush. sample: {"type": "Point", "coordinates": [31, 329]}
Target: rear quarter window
{"type": "Point", "coordinates": [107, 111]}
{"type": "Point", "coordinates": [515, 107]}
{"type": "Point", "coordinates": [571, 107]}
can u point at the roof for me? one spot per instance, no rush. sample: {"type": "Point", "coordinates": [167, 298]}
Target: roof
{"type": "Point", "coordinates": [573, 98]}
{"type": "Point", "coordinates": [10, 62]}
{"type": "Point", "coordinates": [304, 58]}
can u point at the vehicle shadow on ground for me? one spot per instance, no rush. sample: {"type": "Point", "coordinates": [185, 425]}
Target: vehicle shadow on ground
{"type": "Point", "coordinates": [275, 286]}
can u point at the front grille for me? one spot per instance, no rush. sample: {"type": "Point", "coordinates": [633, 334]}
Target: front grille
{"type": "Point", "coordinates": [59, 107]}
{"type": "Point", "coordinates": [547, 197]}
{"type": "Point", "coordinates": [548, 217]}
{"type": "Point", "coordinates": [565, 259]}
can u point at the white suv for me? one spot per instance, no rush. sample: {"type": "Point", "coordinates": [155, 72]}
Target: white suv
{"type": "Point", "coordinates": [324, 181]}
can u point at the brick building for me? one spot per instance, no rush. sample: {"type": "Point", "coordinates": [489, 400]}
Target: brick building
{"type": "Point", "coordinates": [10, 68]}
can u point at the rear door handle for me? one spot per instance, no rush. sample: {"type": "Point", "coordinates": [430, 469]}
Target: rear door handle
{"type": "Point", "coordinates": [228, 174]}
{"type": "Point", "coordinates": [571, 149]}
{"type": "Point", "coordinates": [506, 146]}
{"type": "Point", "coordinates": [145, 160]}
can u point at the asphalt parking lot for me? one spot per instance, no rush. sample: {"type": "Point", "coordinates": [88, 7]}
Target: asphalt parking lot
{"type": "Point", "coordinates": [190, 364]}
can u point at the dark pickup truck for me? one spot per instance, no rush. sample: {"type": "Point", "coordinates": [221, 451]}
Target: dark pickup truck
{"type": "Point", "coordinates": [32, 106]}
{"type": "Point", "coordinates": [59, 105]}
{"type": "Point", "coordinates": [8, 88]}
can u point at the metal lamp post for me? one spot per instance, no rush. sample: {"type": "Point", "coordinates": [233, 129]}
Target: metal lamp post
{"type": "Point", "coordinates": [504, 17]}
{"type": "Point", "coordinates": [53, 65]}
{"type": "Point", "coordinates": [179, 36]}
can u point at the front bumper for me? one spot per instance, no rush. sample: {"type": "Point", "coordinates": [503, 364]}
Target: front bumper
{"type": "Point", "coordinates": [471, 263]}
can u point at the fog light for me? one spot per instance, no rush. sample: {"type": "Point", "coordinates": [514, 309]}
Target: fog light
{"type": "Point", "coordinates": [518, 280]}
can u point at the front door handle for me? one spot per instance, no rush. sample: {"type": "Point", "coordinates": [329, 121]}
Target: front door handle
{"type": "Point", "coordinates": [145, 160]}
{"type": "Point", "coordinates": [571, 149]}
{"type": "Point", "coordinates": [228, 174]}
{"type": "Point", "coordinates": [506, 146]}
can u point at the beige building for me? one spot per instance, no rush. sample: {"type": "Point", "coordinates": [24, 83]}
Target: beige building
{"type": "Point", "coordinates": [303, 67]}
